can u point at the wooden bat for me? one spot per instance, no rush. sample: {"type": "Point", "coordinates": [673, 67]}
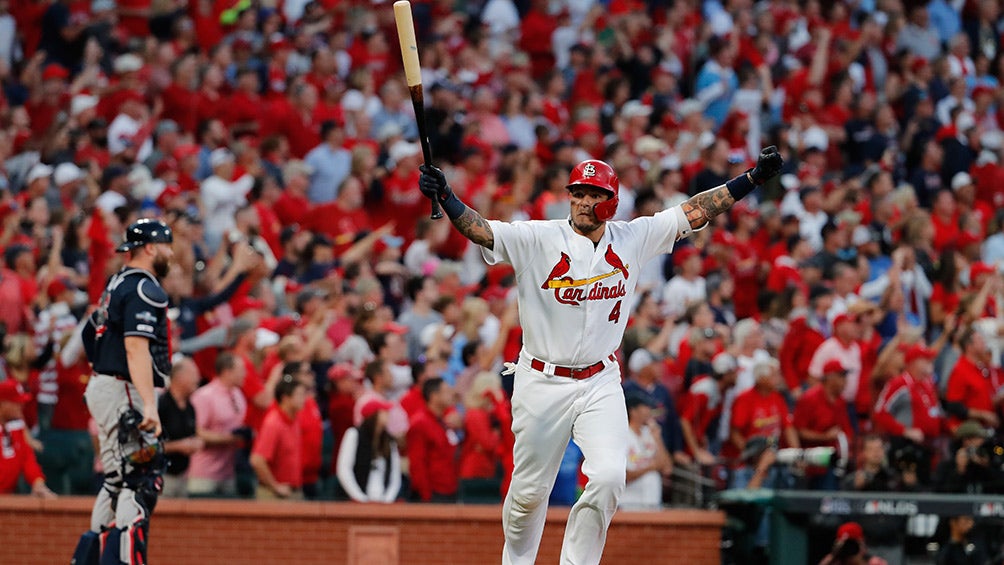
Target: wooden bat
{"type": "Point", "coordinates": [413, 76]}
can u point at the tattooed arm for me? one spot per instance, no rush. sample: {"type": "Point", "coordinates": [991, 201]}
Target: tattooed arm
{"type": "Point", "coordinates": [703, 207]}
{"type": "Point", "coordinates": [474, 227]}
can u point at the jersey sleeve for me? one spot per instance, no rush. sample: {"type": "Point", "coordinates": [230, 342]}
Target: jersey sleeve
{"type": "Point", "coordinates": [658, 233]}
{"type": "Point", "coordinates": [142, 309]}
{"type": "Point", "coordinates": [513, 243]}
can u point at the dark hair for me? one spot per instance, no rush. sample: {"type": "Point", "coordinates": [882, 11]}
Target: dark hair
{"type": "Point", "coordinates": [371, 445]}
{"type": "Point", "coordinates": [373, 368]}
{"type": "Point", "coordinates": [224, 362]}
{"type": "Point", "coordinates": [468, 350]}
{"type": "Point", "coordinates": [413, 286]}
{"type": "Point", "coordinates": [431, 387]}
{"type": "Point", "coordinates": [286, 386]}
{"type": "Point", "coordinates": [378, 341]}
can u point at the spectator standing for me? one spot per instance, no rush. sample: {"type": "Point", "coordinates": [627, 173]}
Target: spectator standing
{"type": "Point", "coordinates": [368, 464]}
{"type": "Point", "coordinates": [311, 429]}
{"type": "Point", "coordinates": [330, 163]}
{"type": "Point", "coordinates": [178, 419]}
{"type": "Point", "coordinates": [842, 347]}
{"type": "Point", "coordinates": [422, 292]}
{"type": "Point", "coordinates": [908, 409]}
{"type": "Point", "coordinates": [487, 422]}
{"type": "Point", "coordinates": [220, 410]}
{"type": "Point", "coordinates": [808, 330]}
{"type": "Point", "coordinates": [821, 418]}
{"type": "Point", "coordinates": [381, 383]}
{"type": "Point", "coordinates": [432, 446]}
{"type": "Point", "coordinates": [17, 457]}
{"type": "Point", "coordinates": [760, 412]}
{"type": "Point", "coordinates": [277, 454]}
{"type": "Point", "coordinates": [648, 461]}
{"type": "Point", "coordinates": [222, 197]}
{"type": "Point", "coordinates": [700, 414]}
{"type": "Point", "coordinates": [974, 386]}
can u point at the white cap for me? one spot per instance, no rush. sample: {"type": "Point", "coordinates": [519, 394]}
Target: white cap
{"type": "Point", "coordinates": [706, 140]}
{"type": "Point", "coordinates": [66, 173]}
{"type": "Point", "coordinates": [634, 108]}
{"type": "Point", "coordinates": [265, 338]}
{"type": "Point", "coordinates": [815, 137]}
{"type": "Point", "coordinates": [964, 122]}
{"type": "Point", "coordinates": [39, 171]}
{"type": "Point", "coordinates": [82, 103]}
{"type": "Point", "coordinates": [220, 156]}
{"type": "Point", "coordinates": [353, 101]}
{"type": "Point", "coordinates": [388, 130]}
{"type": "Point", "coordinates": [860, 236]}
{"type": "Point", "coordinates": [790, 181]}
{"type": "Point", "coordinates": [688, 107]}
{"type": "Point", "coordinates": [649, 144]}
{"type": "Point", "coordinates": [640, 359]}
{"type": "Point", "coordinates": [723, 363]}
{"type": "Point", "coordinates": [403, 149]}
{"type": "Point", "coordinates": [961, 179]}
{"type": "Point", "coordinates": [671, 163]}
{"type": "Point", "coordinates": [991, 139]}
{"type": "Point", "coordinates": [128, 63]}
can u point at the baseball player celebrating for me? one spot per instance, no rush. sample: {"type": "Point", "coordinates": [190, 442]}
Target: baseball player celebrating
{"type": "Point", "coordinates": [573, 278]}
{"type": "Point", "coordinates": [126, 341]}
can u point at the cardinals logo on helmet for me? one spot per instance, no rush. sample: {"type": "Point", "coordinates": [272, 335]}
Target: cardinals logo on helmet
{"type": "Point", "coordinates": [571, 291]}
{"type": "Point", "coordinates": [589, 170]}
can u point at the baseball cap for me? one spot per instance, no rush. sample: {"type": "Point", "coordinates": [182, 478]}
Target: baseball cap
{"type": "Point", "coordinates": [374, 406]}
{"type": "Point", "coordinates": [12, 391]}
{"type": "Point", "coordinates": [834, 366]}
{"type": "Point", "coordinates": [723, 363]}
{"type": "Point", "coordinates": [81, 103]}
{"type": "Point", "coordinates": [39, 171]}
{"type": "Point", "coordinates": [127, 63]}
{"type": "Point", "coordinates": [308, 294]}
{"type": "Point", "coordinates": [220, 156]}
{"type": "Point", "coordinates": [683, 253]}
{"type": "Point", "coordinates": [66, 173]}
{"type": "Point", "coordinates": [960, 180]}
{"type": "Point", "coordinates": [970, 429]}
{"type": "Point", "coordinates": [343, 371]}
{"type": "Point", "coordinates": [918, 351]}
{"type": "Point", "coordinates": [850, 530]}
{"type": "Point", "coordinates": [979, 268]}
{"type": "Point", "coordinates": [402, 149]}
{"type": "Point", "coordinates": [843, 317]}
{"type": "Point", "coordinates": [640, 358]}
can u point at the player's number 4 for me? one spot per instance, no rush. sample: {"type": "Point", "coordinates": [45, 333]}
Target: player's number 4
{"type": "Point", "coordinates": [615, 314]}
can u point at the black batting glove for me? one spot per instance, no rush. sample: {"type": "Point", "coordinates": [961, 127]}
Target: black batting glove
{"type": "Point", "coordinates": [433, 183]}
{"type": "Point", "coordinates": [768, 165]}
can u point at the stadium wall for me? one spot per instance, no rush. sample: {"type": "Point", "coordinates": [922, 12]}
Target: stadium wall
{"type": "Point", "coordinates": [228, 531]}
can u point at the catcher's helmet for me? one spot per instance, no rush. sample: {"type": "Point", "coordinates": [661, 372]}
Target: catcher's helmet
{"type": "Point", "coordinates": [596, 173]}
{"type": "Point", "coordinates": [145, 231]}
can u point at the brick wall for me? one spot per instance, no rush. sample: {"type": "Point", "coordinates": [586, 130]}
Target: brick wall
{"type": "Point", "coordinates": [200, 531]}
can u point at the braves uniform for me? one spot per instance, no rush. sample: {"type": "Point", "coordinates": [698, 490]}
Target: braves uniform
{"type": "Point", "coordinates": [573, 300]}
{"type": "Point", "coordinates": [133, 304]}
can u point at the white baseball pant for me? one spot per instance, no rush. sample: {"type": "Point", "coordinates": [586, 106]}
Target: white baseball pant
{"type": "Point", "coordinates": [547, 410]}
{"type": "Point", "coordinates": [107, 399]}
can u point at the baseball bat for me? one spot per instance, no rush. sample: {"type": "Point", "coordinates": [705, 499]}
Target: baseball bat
{"type": "Point", "coordinates": [413, 76]}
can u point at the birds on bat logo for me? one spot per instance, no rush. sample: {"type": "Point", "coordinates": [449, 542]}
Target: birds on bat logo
{"type": "Point", "coordinates": [571, 291]}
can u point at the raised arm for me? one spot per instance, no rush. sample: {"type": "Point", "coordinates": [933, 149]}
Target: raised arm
{"type": "Point", "coordinates": [467, 220]}
{"type": "Point", "coordinates": [703, 207]}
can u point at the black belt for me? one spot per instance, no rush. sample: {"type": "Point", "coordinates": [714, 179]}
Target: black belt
{"type": "Point", "coordinates": [577, 373]}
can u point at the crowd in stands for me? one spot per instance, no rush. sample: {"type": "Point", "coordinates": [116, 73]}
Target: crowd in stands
{"type": "Point", "coordinates": [332, 341]}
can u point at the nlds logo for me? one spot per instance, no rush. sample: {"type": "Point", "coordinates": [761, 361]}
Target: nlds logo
{"type": "Point", "coordinates": [891, 508]}
{"type": "Point", "coordinates": [990, 509]}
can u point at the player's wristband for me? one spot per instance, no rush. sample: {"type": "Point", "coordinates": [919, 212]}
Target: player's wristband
{"type": "Point", "coordinates": [453, 206]}
{"type": "Point", "coordinates": [740, 186]}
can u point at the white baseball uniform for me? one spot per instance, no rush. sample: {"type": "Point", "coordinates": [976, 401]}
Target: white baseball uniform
{"type": "Point", "coordinates": [574, 302]}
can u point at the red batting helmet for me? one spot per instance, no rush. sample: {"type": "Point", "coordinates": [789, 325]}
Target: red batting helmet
{"type": "Point", "coordinates": [596, 173]}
